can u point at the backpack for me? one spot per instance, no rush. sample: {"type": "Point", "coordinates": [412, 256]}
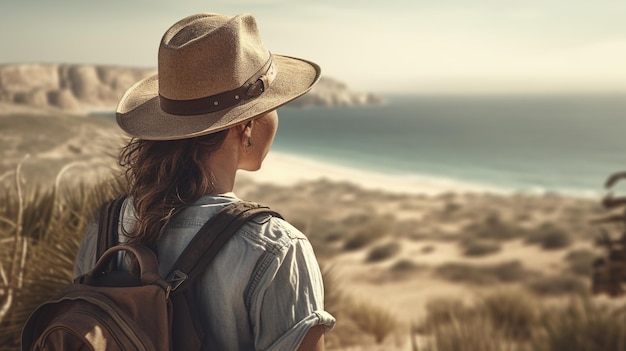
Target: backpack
{"type": "Point", "coordinates": [111, 309]}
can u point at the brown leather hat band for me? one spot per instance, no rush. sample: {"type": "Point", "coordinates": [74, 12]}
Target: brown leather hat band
{"type": "Point", "coordinates": [254, 87]}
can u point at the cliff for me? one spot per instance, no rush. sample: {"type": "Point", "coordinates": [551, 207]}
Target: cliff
{"type": "Point", "coordinates": [80, 88]}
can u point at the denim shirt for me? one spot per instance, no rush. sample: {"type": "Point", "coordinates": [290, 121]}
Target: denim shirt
{"type": "Point", "coordinates": [264, 289]}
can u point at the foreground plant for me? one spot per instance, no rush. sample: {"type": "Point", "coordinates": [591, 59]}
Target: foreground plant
{"type": "Point", "coordinates": [513, 320]}
{"type": "Point", "coordinates": [40, 231]}
{"type": "Point", "coordinates": [582, 325]}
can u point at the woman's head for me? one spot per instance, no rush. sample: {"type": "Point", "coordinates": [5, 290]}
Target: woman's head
{"type": "Point", "coordinates": [209, 111]}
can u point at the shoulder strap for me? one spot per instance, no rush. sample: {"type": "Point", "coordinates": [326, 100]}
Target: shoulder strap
{"type": "Point", "coordinates": [108, 225]}
{"type": "Point", "coordinates": [210, 239]}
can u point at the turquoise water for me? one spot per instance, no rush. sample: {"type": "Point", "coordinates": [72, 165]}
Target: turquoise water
{"type": "Point", "coordinates": [566, 144]}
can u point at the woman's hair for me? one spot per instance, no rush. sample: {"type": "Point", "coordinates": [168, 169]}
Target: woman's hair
{"type": "Point", "coordinates": [164, 177]}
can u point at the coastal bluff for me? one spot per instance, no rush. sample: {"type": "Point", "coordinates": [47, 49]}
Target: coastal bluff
{"type": "Point", "coordinates": [81, 87]}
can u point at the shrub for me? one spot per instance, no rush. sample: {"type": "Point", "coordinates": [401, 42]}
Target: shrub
{"type": "Point", "coordinates": [479, 247]}
{"type": "Point", "coordinates": [412, 229]}
{"type": "Point", "coordinates": [507, 271]}
{"type": "Point", "coordinates": [487, 325]}
{"type": "Point", "coordinates": [513, 312]}
{"type": "Point", "coordinates": [426, 249]}
{"type": "Point", "coordinates": [372, 319]}
{"type": "Point", "coordinates": [557, 285]}
{"type": "Point", "coordinates": [492, 227]}
{"type": "Point", "coordinates": [581, 325]}
{"type": "Point", "coordinates": [443, 310]}
{"type": "Point", "coordinates": [549, 237]}
{"type": "Point", "coordinates": [358, 241]}
{"type": "Point", "coordinates": [487, 274]}
{"type": "Point", "coordinates": [368, 230]}
{"type": "Point", "coordinates": [404, 266]}
{"type": "Point", "coordinates": [580, 261]}
{"type": "Point", "coordinates": [53, 227]}
{"type": "Point", "coordinates": [383, 252]}
{"type": "Point", "coordinates": [451, 207]}
{"type": "Point", "coordinates": [479, 334]}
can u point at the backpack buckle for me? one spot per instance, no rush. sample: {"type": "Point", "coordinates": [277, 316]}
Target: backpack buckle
{"type": "Point", "coordinates": [176, 279]}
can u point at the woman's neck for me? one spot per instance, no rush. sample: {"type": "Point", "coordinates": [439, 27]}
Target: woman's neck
{"type": "Point", "coordinates": [223, 165]}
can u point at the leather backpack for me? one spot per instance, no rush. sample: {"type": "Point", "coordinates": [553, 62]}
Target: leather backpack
{"type": "Point", "coordinates": [111, 309]}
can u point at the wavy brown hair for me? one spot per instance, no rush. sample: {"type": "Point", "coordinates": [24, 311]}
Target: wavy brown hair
{"type": "Point", "coordinates": [164, 177]}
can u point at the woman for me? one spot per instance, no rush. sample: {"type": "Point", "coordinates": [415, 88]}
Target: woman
{"type": "Point", "coordinates": [210, 111]}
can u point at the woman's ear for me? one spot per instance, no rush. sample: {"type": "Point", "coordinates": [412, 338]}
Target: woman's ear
{"type": "Point", "coordinates": [246, 134]}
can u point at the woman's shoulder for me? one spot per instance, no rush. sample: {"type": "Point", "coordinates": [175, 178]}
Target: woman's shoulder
{"type": "Point", "coordinates": [269, 229]}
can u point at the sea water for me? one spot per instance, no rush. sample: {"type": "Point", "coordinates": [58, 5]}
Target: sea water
{"type": "Point", "coordinates": [566, 144]}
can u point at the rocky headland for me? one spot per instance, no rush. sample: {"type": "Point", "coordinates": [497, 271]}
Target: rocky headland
{"type": "Point", "coordinates": [80, 87]}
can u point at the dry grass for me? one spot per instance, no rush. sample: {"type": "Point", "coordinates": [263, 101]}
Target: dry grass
{"type": "Point", "coordinates": [512, 320]}
{"type": "Point", "coordinates": [383, 252]}
{"type": "Point", "coordinates": [473, 247]}
{"type": "Point", "coordinates": [558, 285]}
{"type": "Point", "coordinates": [550, 237]}
{"type": "Point", "coordinates": [511, 271]}
{"type": "Point", "coordinates": [53, 225]}
{"type": "Point", "coordinates": [580, 261]}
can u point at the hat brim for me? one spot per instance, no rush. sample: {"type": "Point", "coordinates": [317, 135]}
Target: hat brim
{"type": "Point", "coordinates": [139, 112]}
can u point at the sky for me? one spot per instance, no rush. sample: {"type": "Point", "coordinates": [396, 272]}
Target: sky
{"type": "Point", "coordinates": [392, 46]}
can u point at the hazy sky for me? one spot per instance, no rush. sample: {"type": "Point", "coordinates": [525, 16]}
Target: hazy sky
{"type": "Point", "coordinates": [382, 46]}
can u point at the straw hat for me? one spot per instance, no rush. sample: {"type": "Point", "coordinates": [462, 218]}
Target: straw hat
{"type": "Point", "coordinates": [213, 72]}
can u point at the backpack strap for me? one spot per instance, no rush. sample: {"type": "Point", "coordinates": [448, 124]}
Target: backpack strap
{"type": "Point", "coordinates": [108, 225]}
{"type": "Point", "coordinates": [209, 240]}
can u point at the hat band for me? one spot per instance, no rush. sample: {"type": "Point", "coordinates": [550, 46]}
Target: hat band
{"type": "Point", "coordinates": [252, 88]}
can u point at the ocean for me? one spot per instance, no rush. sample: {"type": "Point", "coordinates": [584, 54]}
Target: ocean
{"type": "Point", "coordinates": [538, 144]}
{"type": "Point", "coordinates": [565, 144]}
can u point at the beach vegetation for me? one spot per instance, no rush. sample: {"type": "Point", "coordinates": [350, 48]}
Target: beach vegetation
{"type": "Point", "coordinates": [404, 265]}
{"type": "Point", "coordinates": [580, 261]}
{"type": "Point", "coordinates": [411, 229]}
{"type": "Point", "coordinates": [479, 334]}
{"type": "Point", "coordinates": [549, 237]}
{"type": "Point", "coordinates": [514, 311]}
{"type": "Point", "coordinates": [558, 285]}
{"type": "Point", "coordinates": [40, 231]}
{"type": "Point", "coordinates": [366, 230]}
{"type": "Point", "coordinates": [504, 272]}
{"type": "Point", "coordinates": [359, 240]}
{"type": "Point", "coordinates": [493, 227]}
{"type": "Point", "coordinates": [474, 247]}
{"type": "Point", "coordinates": [581, 325]}
{"type": "Point", "coordinates": [360, 320]}
{"type": "Point", "coordinates": [383, 252]}
{"type": "Point", "coordinates": [426, 249]}
{"type": "Point", "coordinates": [442, 310]}
{"type": "Point", "coordinates": [372, 319]}
{"type": "Point", "coordinates": [514, 320]}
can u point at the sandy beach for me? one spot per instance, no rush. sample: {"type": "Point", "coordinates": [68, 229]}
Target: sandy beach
{"type": "Point", "coordinates": [285, 169]}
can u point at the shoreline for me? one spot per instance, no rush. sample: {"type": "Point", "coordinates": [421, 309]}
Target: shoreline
{"type": "Point", "coordinates": [286, 169]}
